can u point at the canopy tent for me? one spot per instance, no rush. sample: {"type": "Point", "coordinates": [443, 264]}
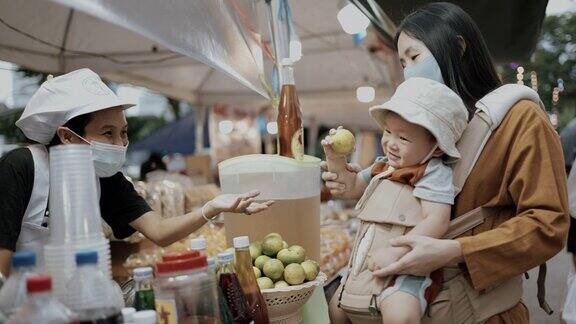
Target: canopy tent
{"type": "Point", "coordinates": [511, 27]}
{"type": "Point", "coordinates": [50, 36]}
{"type": "Point", "coordinates": [64, 35]}
{"type": "Point", "coordinates": [176, 137]}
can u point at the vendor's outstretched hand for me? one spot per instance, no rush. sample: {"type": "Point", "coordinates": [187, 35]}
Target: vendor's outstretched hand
{"type": "Point", "coordinates": [236, 203]}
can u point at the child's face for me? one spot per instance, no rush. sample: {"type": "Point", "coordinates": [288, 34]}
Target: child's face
{"type": "Point", "coordinates": [405, 144]}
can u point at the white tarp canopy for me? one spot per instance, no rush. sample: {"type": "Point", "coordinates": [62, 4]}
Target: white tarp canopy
{"type": "Point", "coordinates": [202, 51]}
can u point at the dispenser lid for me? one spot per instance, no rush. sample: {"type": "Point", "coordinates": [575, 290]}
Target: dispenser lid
{"type": "Point", "coordinates": [258, 162]}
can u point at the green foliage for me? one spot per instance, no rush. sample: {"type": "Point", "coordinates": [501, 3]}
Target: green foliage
{"type": "Point", "coordinates": [141, 126]}
{"type": "Point", "coordinates": [39, 76]}
{"type": "Point", "coordinates": [554, 58]}
{"type": "Point", "coordinates": [8, 128]}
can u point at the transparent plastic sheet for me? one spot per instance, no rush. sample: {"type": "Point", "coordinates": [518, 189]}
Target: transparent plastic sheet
{"type": "Point", "coordinates": [284, 37]}
{"type": "Point", "coordinates": [218, 33]}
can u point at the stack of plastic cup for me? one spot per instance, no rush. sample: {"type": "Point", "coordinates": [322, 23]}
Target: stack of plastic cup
{"type": "Point", "coordinates": [75, 223]}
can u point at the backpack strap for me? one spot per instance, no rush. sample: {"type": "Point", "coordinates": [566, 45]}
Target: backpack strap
{"type": "Point", "coordinates": [470, 146]}
{"type": "Point", "coordinates": [468, 221]}
{"type": "Point", "coordinates": [542, 289]}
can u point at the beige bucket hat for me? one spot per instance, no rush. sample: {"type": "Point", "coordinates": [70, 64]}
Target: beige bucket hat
{"type": "Point", "coordinates": [62, 98]}
{"type": "Point", "coordinates": [431, 105]}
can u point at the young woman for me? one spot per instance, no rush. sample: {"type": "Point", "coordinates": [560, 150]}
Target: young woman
{"type": "Point", "coordinates": [78, 108]}
{"type": "Point", "coordinates": [520, 172]}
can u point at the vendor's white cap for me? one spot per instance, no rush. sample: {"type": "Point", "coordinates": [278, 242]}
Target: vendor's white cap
{"type": "Point", "coordinates": [241, 242]}
{"type": "Point", "coordinates": [431, 105]}
{"type": "Point", "coordinates": [145, 317]}
{"type": "Point", "coordinates": [62, 98]}
{"type": "Point", "coordinates": [225, 257]}
{"type": "Point", "coordinates": [198, 243]}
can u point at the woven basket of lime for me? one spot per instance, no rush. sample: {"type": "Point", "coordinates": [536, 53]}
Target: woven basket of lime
{"type": "Point", "coordinates": [286, 277]}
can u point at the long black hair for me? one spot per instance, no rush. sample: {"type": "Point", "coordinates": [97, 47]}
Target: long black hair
{"type": "Point", "coordinates": [439, 26]}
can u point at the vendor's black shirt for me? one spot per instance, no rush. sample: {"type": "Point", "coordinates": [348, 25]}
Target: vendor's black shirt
{"type": "Point", "coordinates": [120, 204]}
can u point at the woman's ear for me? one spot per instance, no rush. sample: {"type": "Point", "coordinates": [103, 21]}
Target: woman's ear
{"type": "Point", "coordinates": [462, 44]}
{"type": "Point", "coordinates": [65, 136]}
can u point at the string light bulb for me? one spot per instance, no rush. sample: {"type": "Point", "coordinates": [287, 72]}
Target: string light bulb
{"type": "Point", "coordinates": [520, 75]}
{"type": "Point", "coordinates": [555, 96]}
{"type": "Point", "coordinates": [534, 80]}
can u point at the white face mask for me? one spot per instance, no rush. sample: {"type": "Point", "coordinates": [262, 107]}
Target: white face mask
{"type": "Point", "coordinates": [108, 158]}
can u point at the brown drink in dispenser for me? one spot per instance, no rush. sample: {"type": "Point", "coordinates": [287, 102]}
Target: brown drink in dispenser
{"type": "Point", "coordinates": [290, 130]}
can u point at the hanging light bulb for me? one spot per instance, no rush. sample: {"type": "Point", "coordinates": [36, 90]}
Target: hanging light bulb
{"type": "Point", "coordinates": [226, 127]}
{"type": "Point", "coordinates": [272, 128]}
{"type": "Point", "coordinates": [352, 20]}
{"type": "Point", "coordinates": [365, 94]}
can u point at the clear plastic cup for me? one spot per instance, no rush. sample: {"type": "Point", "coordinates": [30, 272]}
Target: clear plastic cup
{"type": "Point", "coordinates": [74, 206]}
{"type": "Point", "coordinates": [61, 263]}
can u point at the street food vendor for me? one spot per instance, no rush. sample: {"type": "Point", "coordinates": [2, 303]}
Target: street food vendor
{"type": "Point", "coordinates": [78, 108]}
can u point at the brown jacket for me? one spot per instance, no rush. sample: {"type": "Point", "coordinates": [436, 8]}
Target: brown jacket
{"type": "Point", "coordinates": [521, 171]}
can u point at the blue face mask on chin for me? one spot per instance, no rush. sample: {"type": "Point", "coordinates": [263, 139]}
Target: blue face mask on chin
{"type": "Point", "coordinates": [427, 68]}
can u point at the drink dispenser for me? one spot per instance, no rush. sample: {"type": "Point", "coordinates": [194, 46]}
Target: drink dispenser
{"type": "Point", "coordinates": [294, 185]}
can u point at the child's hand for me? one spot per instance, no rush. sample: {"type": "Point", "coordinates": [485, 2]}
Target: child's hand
{"type": "Point", "coordinates": [385, 256]}
{"type": "Point", "coordinates": [327, 146]}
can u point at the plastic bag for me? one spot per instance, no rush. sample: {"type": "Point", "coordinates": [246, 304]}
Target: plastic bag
{"type": "Point", "coordinates": [569, 311]}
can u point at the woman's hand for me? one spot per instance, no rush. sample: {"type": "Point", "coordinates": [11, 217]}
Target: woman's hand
{"type": "Point", "coordinates": [236, 203]}
{"type": "Point", "coordinates": [386, 256]}
{"type": "Point", "coordinates": [427, 254]}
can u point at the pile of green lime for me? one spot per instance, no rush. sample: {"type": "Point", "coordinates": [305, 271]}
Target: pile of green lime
{"type": "Point", "coordinates": [276, 264]}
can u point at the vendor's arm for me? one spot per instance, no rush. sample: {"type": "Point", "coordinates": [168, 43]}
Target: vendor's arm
{"type": "Point", "coordinates": [165, 231]}
{"type": "Point", "coordinates": [126, 211]}
{"type": "Point", "coordinates": [535, 180]}
{"type": "Point", "coordinates": [16, 182]}
{"type": "Point", "coordinates": [5, 258]}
